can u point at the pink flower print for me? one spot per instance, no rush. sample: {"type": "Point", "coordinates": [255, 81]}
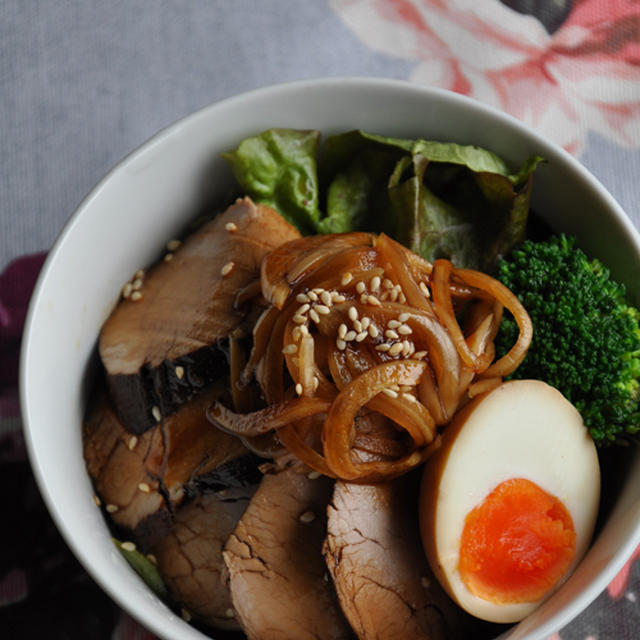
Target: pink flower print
{"type": "Point", "coordinates": [584, 76]}
{"type": "Point", "coordinates": [618, 585]}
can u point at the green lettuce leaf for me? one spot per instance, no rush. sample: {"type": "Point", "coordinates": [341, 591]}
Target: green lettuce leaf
{"type": "Point", "coordinates": [428, 225]}
{"type": "Point", "coordinates": [441, 199]}
{"type": "Point", "coordinates": [278, 168]}
{"type": "Point", "coordinates": [145, 569]}
{"type": "Point", "coordinates": [357, 196]}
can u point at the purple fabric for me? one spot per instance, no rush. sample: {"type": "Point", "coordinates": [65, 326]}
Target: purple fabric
{"type": "Point", "coordinates": [16, 285]}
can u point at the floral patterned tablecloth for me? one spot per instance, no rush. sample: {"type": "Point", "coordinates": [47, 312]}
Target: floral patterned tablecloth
{"type": "Point", "coordinates": [83, 83]}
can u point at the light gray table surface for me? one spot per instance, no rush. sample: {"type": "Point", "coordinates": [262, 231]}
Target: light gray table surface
{"type": "Point", "coordinates": [83, 83]}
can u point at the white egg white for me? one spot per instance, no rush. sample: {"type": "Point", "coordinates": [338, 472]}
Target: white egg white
{"type": "Point", "coordinates": [522, 429]}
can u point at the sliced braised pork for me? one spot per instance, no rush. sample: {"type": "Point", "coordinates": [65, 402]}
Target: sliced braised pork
{"type": "Point", "coordinates": [160, 344]}
{"type": "Point", "coordinates": [276, 572]}
{"type": "Point", "coordinates": [375, 557]}
{"type": "Point", "coordinates": [190, 556]}
{"type": "Point", "coordinates": [142, 478]}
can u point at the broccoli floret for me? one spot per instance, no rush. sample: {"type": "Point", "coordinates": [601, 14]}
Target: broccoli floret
{"type": "Point", "coordinates": [586, 338]}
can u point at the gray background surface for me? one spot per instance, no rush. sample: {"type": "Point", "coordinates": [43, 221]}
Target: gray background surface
{"type": "Point", "coordinates": [84, 83]}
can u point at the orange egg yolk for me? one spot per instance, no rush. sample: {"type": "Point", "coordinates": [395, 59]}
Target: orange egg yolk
{"type": "Point", "coordinates": [516, 544]}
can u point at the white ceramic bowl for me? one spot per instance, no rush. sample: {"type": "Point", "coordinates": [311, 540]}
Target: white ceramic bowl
{"type": "Point", "coordinates": [148, 197]}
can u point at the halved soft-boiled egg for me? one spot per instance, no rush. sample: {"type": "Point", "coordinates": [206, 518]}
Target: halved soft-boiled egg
{"type": "Point", "coordinates": [509, 502]}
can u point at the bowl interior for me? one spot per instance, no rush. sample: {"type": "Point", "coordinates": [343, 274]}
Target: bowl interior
{"type": "Point", "coordinates": [153, 193]}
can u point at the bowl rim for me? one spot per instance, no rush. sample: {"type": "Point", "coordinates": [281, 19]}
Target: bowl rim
{"type": "Point", "coordinates": [618, 559]}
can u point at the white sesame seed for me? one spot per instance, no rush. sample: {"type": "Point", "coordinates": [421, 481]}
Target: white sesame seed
{"type": "Point", "coordinates": [363, 298]}
{"type": "Point", "coordinates": [97, 501]}
{"type": "Point", "coordinates": [373, 331]}
{"type": "Point", "coordinates": [387, 284]}
{"type": "Point", "coordinates": [391, 393]}
{"type": "Point", "coordinates": [374, 301]}
{"type": "Point", "coordinates": [357, 325]}
{"type": "Point", "coordinates": [126, 290]}
{"type": "Point", "coordinates": [341, 344]}
{"type": "Point", "coordinates": [302, 297]}
{"type": "Point", "coordinates": [375, 283]}
{"type": "Point", "coordinates": [395, 349]}
{"type": "Point", "coordinates": [172, 245]}
{"type": "Point", "coordinates": [111, 508]}
{"type": "Point", "coordinates": [303, 330]}
{"type": "Point", "coordinates": [366, 321]}
{"type": "Point", "coordinates": [295, 334]}
{"type": "Point", "coordinates": [144, 487]}
{"type": "Point", "coordinates": [312, 295]}
{"type": "Point", "coordinates": [360, 287]}
{"type": "Point", "coordinates": [307, 517]}
{"type": "Point", "coordinates": [410, 397]}
{"type": "Point", "coordinates": [361, 336]}
{"type": "Point", "coordinates": [317, 290]}
{"type": "Point", "coordinates": [418, 355]}
{"type": "Point", "coordinates": [390, 333]}
{"type": "Point", "coordinates": [227, 268]}
{"type": "Point", "coordinates": [298, 319]}
{"type": "Point", "coordinates": [339, 298]}
{"type": "Point", "coordinates": [346, 278]}
{"type": "Point", "coordinates": [425, 289]}
{"type": "Point", "coordinates": [299, 389]}
{"type": "Point", "coordinates": [393, 324]}
{"type": "Point", "coordinates": [229, 613]}
{"type": "Point", "coordinates": [179, 372]}
{"type": "Point", "coordinates": [394, 294]}
{"type": "Point", "coordinates": [128, 546]}
{"type": "Point", "coordinates": [342, 330]}
{"type": "Point", "coordinates": [151, 558]}
{"type": "Point", "coordinates": [322, 309]}
{"type": "Point", "coordinates": [313, 475]}
{"type": "Point", "coordinates": [407, 348]}
{"type": "Point", "coordinates": [383, 347]}
{"type": "Point", "coordinates": [395, 387]}
{"type": "Point", "coordinates": [403, 317]}
{"type": "Point", "coordinates": [425, 582]}
{"type": "Point", "coordinates": [186, 616]}
{"type": "Point", "coordinates": [135, 296]}
{"type": "Point", "coordinates": [304, 308]}
{"type": "Point", "coordinates": [349, 336]}
{"type": "Point", "coordinates": [404, 330]}
{"type": "Point", "coordinates": [402, 298]}
{"type": "Point", "coordinates": [136, 285]}
{"type": "Point", "coordinates": [353, 313]}
{"type": "Point", "coordinates": [155, 412]}
{"type": "Point", "coordinates": [326, 298]}
{"type": "Point", "coordinates": [313, 314]}
{"type": "Point", "coordinates": [290, 348]}
{"type": "Point", "coordinates": [133, 441]}
{"type": "Point", "coordinates": [168, 257]}
{"type": "Point", "coordinates": [231, 226]}
{"type": "Point", "coordinates": [316, 382]}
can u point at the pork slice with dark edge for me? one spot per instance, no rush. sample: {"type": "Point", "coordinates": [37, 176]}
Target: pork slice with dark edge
{"type": "Point", "coordinates": [277, 576]}
{"type": "Point", "coordinates": [379, 569]}
{"type": "Point", "coordinates": [160, 345]}
{"type": "Point", "coordinates": [189, 557]}
{"type": "Point", "coordinates": [141, 479]}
